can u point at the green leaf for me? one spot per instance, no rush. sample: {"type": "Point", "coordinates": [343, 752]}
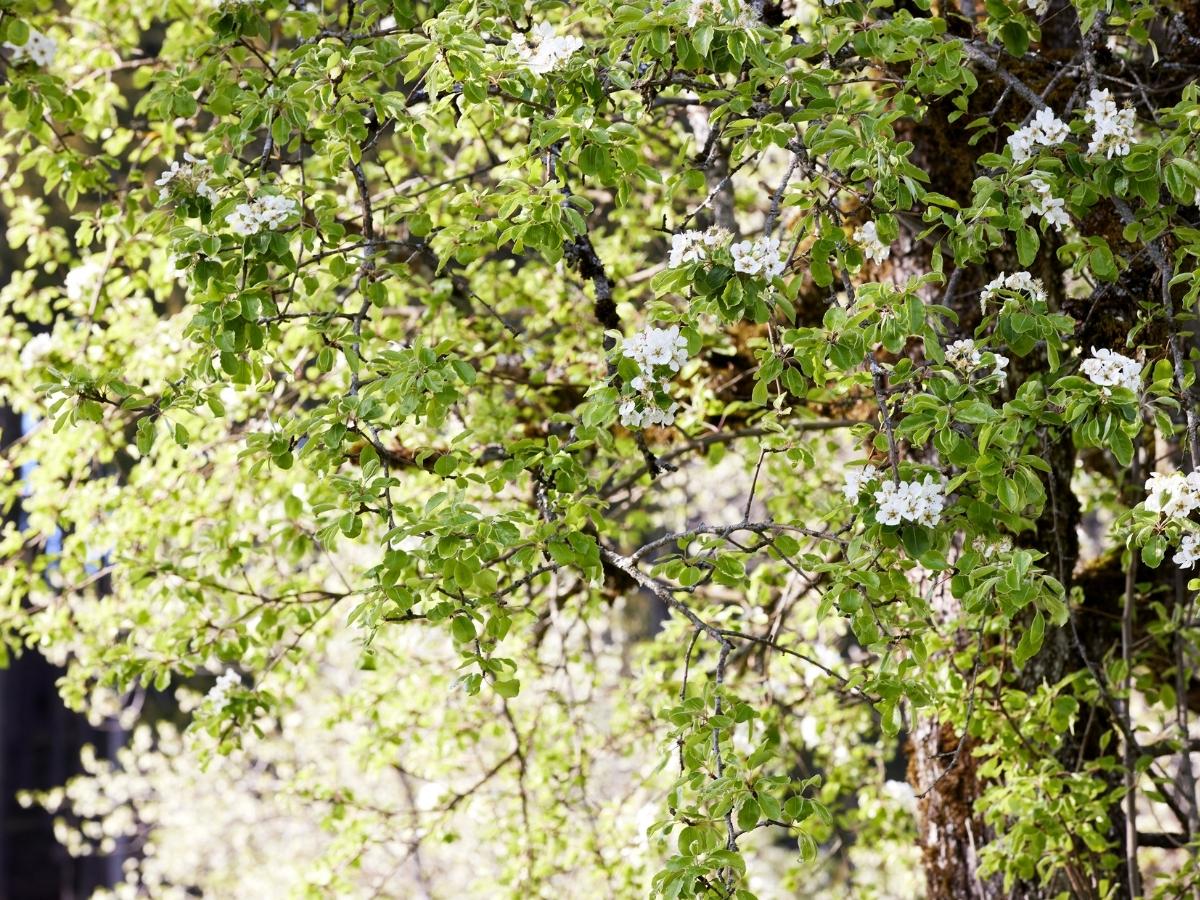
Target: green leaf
{"type": "Point", "coordinates": [747, 814]}
{"type": "Point", "coordinates": [1027, 245]}
{"type": "Point", "coordinates": [1031, 640]}
{"type": "Point", "coordinates": [507, 689]}
{"type": "Point", "coordinates": [145, 435]}
{"type": "Point", "coordinates": [1121, 446]}
{"type": "Point", "coordinates": [464, 370]}
{"type": "Point", "coordinates": [1015, 37]}
{"type": "Point", "coordinates": [1103, 265]}
{"type": "Point", "coordinates": [1154, 550]}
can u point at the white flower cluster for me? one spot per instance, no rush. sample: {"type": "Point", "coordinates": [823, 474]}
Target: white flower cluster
{"type": "Point", "coordinates": [39, 49]}
{"type": "Point", "coordinates": [187, 177]}
{"type": "Point", "coordinates": [1189, 551]}
{"type": "Point", "coordinates": [218, 694]}
{"type": "Point", "coordinates": [35, 350]}
{"type": "Point", "coordinates": [696, 246]}
{"type": "Point", "coordinates": [910, 501]}
{"type": "Point", "coordinates": [548, 51]}
{"type": "Point", "coordinates": [269, 212]}
{"type": "Point", "coordinates": [760, 257]}
{"type": "Point", "coordinates": [1038, 6]}
{"type": "Point", "coordinates": [1001, 366]}
{"type": "Point", "coordinates": [1046, 130]}
{"type": "Point", "coordinates": [867, 237]}
{"type": "Point", "coordinates": [1020, 282]}
{"type": "Point", "coordinates": [988, 548]}
{"type": "Point", "coordinates": [646, 415]}
{"type": "Point", "coordinates": [964, 355]}
{"type": "Point", "coordinates": [81, 281]}
{"type": "Point", "coordinates": [698, 8]}
{"type": "Point", "coordinates": [856, 479]}
{"type": "Point", "coordinates": [652, 348]}
{"type": "Point", "coordinates": [1112, 127]}
{"type": "Point", "coordinates": [1108, 369]}
{"type": "Point", "coordinates": [1174, 495]}
{"type": "Point", "coordinates": [1052, 209]}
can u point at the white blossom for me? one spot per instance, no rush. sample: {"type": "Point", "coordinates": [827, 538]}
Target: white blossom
{"type": "Point", "coordinates": [269, 211]}
{"type": "Point", "coordinates": [696, 246]}
{"type": "Point", "coordinates": [1046, 130]}
{"type": "Point", "coordinates": [188, 177]}
{"type": "Point", "coordinates": [647, 414]}
{"type": "Point", "coordinates": [1000, 365]}
{"type": "Point", "coordinates": [652, 349]}
{"type": "Point", "coordinates": [1189, 551]}
{"type": "Point", "coordinates": [218, 694]}
{"type": "Point", "coordinates": [36, 349]}
{"type": "Point", "coordinates": [547, 50]}
{"type": "Point", "coordinates": [988, 548]}
{"type": "Point", "coordinates": [867, 237]}
{"type": "Point", "coordinates": [39, 49]}
{"type": "Point", "coordinates": [760, 257]}
{"type": "Point", "coordinates": [1019, 282]}
{"type": "Point", "coordinates": [1112, 126]}
{"type": "Point", "coordinates": [1052, 209]}
{"type": "Point", "coordinates": [1174, 494]}
{"type": "Point", "coordinates": [911, 501]}
{"type": "Point", "coordinates": [900, 793]}
{"type": "Point", "coordinates": [964, 355]}
{"type": "Point", "coordinates": [697, 9]}
{"type": "Point", "coordinates": [81, 280]}
{"type": "Point", "coordinates": [1108, 369]}
{"type": "Point", "coordinates": [856, 479]}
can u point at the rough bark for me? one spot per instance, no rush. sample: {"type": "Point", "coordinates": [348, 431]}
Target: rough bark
{"type": "Point", "coordinates": [951, 832]}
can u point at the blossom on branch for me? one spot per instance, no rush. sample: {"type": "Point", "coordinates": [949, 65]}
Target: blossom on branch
{"type": "Point", "coordinates": [1046, 130]}
{"type": "Point", "coordinates": [218, 695]}
{"type": "Point", "coordinates": [910, 501]}
{"type": "Point", "coordinates": [964, 355]}
{"type": "Point", "coordinates": [1052, 209]}
{"type": "Point", "coordinates": [39, 49]}
{"type": "Point", "coordinates": [1175, 494]}
{"type": "Point", "coordinates": [1112, 126]}
{"type": "Point", "coordinates": [1017, 282]}
{"type": "Point", "coordinates": [656, 351]}
{"type": "Point", "coordinates": [1108, 369]}
{"type": "Point", "coordinates": [696, 246]}
{"type": "Point", "coordinates": [856, 479]}
{"type": "Point", "coordinates": [760, 257]}
{"type": "Point", "coordinates": [188, 178]}
{"type": "Point", "coordinates": [867, 237]}
{"type": "Point", "coordinates": [547, 51]}
{"type": "Point", "coordinates": [1189, 551]}
{"type": "Point", "coordinates": [268, 212]}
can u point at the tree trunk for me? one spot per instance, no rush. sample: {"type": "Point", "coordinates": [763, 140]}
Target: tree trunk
{"type": "Point", "coordinates": [951, 833]}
